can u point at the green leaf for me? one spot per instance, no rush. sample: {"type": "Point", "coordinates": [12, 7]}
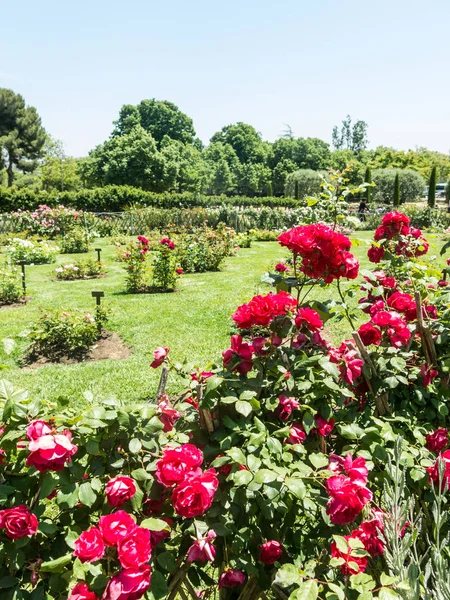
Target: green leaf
{"type": "Point", "coordinates": [155, 524]}
{"type": "Point", "coordinates": [243, 407]}
{"type": "Point", "coordinates": [56, 566]}
{"type": "Point", "coordinates": [158, 588]}
{"type": "Point", "coordinates": [167, 561]}
{"type": "Point", "coordinates": [328, 366]}
{"type": "Point", "coordinates": [287, 575]}
{"type": "Point", "coordinates": [386, 579]}
{"type": "Point", "coordinates": [337, 590]}
{"type": "Point", "coordinates": [140, 475]}
{"type": "Point", "coordinates": [296, 486]}
{"type": "Point", "coordinates": [86, 494]}
{"type": "Point", "coordinates": [362, 582]}
{"type": "Point", "coordinates": [48, 528]}
{"type": "Point", "coordinates": [319, 460]}
{"type": "Point", "coordinates": [237, 455]}
{"type": "Point", "coordinates": [387, 594]}
{"type": "Point", "coordinates": [8, 582]}
{"type": "Point", "coordinates": [265, 476]}
{"type": "Point", "coordinates": [307, 591]}
{"type": "Point", "coordinates": [134, 446]}
{"type": "Point", "coordinates": [242, 478]}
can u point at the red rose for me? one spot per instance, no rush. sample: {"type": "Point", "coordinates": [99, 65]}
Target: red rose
{"type": "Point", "coordinates": [231, 578]}
{"type": "Point", "coordinates": [375, 254]}
{"type": "Point", "coordinates": [354, 563]}
{"type": "Point", "coordinates": [369, 334]}
{"type": "Point", "coordinates": [285, 407]}
{"type": "Point", "coordinates": [238, 356]}
{"type": "Point", "coordinates": [403, 303]}
{"type": "Point", "coordinates": [167, 415]}
{"type": "Point", "coordinates": [261, 310]}
{"type": "Point", "coordinates": [37, 429]}
{"type": "Point", "coordinates": [202, 549]}
{"type": "Point", "coordinates": [179, 271]}
{"type": "Point", "coordinates": [437, 440]}
{"type": "Point", "coordinates": [309, 318]}
{"type": "Point", "coordinates": [168, 243]}
{"type": "Point", "coordinates": [281, 268]}
{"type": "Point", "coordinates": [129, 584]}
{"type": "Point", "coordinates": [18, 522]}
{"type": "Point", "coordinates": [90, 546]}
{"type": "Point", "coordinates": [369, 534]}
{"type": "Point", "coordinates": [176, 463]}
{"type": "Point", "coordinates": [428, 374]}
{"type": "Point", "coordinates": [356, 469]}
{"type": "Point", "coordinates": [116, 527]}
{"type": "Point", "coordinates": [347, 499]}
{"type": "Point", "coordinates": [270, 552]}
{"type": "Point", "coordinates": [143, 240]}
{"type": "Point", "coordinates": [297, 434]}
{"type": "Point", "coordinates": [194, 496]}
{"type": "Point", "coordinates": [119, 489]}
{"type": "Point", "coordinates": [2, 456]}
{"type": "Point", "coordinates": [51, 452]}
{"type": "Point", "coordinates": [323, 427]}
{"type": "Point", "coordinates": [134, 551]}
{"type": "Point", "coordinates": [82, 592]}
{"type": "Point", "coordinates": [433, 472]}
{"type": "Point", "coordinates": [160, 355]}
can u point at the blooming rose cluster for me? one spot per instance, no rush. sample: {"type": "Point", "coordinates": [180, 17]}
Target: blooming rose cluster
{"type": "Point", "coordinates": [364, 541]}
{"type": "Point", "coordinates": [348, 489]}
{"type": "Point", "coordinates": [18, 522]}
{"type": "Point", "coordinates": [167, 414]}
{"type": "Point", "coordinates": [193, 489]}
{"type": "Point", "coordinates": [262, 310]}
{"type": "Point", "coordinates": [437, 440]}
{"type": "Point", "coordinates": [144, 246]}
{"type": "Point", "coordinates": [167, 243]}
{"type": "Point", "coordinates": [348, 360]}
{"type": "Point", "coordinates": [48, 450]}
{"type": "Point", "coordinates": [323, 251]}
{"type": "Point", "coordinates": [397, 237]}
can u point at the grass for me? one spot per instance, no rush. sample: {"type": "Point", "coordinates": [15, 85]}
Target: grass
{"type": "Point", "coordinates": [195, 322]}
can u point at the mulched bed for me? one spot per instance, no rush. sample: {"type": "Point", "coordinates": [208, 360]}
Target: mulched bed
{"type": "Point", "coordinates": [20, 302]}
{"type": "Point", "coordinates": [108, 347]}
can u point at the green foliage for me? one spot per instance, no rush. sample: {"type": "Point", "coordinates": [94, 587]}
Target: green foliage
{"type": "Point", "coordinates": [412, 185]}
{"type": "Point", "coordinates": [432, 189]}
{"type": "Point", "coordinates": [396, 197]}
{"type": "Point", "coordinates": [58, 334]}
{"type": "Point", "coordinates": [75, 242]}
{"type": "Point", "coordinates": [22, 136]}
{"type": "Point", "coordinates": [86, 269]}
{"type": "Point", "coordinates": [368, 179]}
{"type": "Point", "coordinates": [205, 249]}
{"type": "Point", "coordinates": [10, 284]}
{"type": "Point", "coordinates": [31, 252]}
{"type": "Point", "coordinates": [302, 183]}
{"type": "Point", "coordinates": [351, 136]}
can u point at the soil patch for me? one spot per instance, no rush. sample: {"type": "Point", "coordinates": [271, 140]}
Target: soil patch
{"type": "Point", "coordinates": [109, 346]}
{"type": "Point", "coordinates": [20, 302]}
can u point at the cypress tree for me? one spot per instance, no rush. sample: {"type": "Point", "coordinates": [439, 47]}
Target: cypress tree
{"type": "Point", "coordinates": [368, 179]}
{"type": "Point", "coordinates": [296, 193]}
{"type": "Point", "coordinates": [397, 190]}
{"type": "Point", "coordinates": [432, 189]}
{"type": "Point", "coordinates": [269, 189]}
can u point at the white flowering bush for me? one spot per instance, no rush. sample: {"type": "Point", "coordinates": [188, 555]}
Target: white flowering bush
{"type": "Point", "coordinates": [31, 252]}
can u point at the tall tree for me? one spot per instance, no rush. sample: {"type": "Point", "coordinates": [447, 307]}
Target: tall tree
{"type": "Point", "coordinates": [22, 136]}
{"type": "Point", "coordinates": [396, 201]}
{"type": "Point", "coordinates": [351, 136]}
{"type": "Point", "coordinates": [160, 118]}
{"type": "Point", "coordinates": [245, 141]}
{"type": "Point", "coordinates": [432, 189]}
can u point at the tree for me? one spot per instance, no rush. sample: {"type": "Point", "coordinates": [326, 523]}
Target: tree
{"type": "Point", "coordinates": [223, 169]}
{"type": "Point", "coordinates": [350, 137]}
{"type": "Point", "coordinates": [245, 141]}
{"type": "Point", "coordinates": [396, 201]}
{"type": "Point", "coordinates": [368, 179]}
{"type": "Point", "coordinates": [160, 118]}
{"type": "Point", "coordinates": [22, 136]}
{"type": "Point", "coordinates": [432, 189]}
{"type": "Point", "coordinates": [58, 171]}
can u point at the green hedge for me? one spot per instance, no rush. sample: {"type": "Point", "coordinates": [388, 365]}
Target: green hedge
{"type": "Point", "coordinates": [114, 198]}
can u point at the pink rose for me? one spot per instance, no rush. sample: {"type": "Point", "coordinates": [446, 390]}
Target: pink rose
{"type": "Point", "coordinates": [129, 584]}
{"type": "Point", "coordinates": [231, 578]}
{"type": "Point", "coordinates": [167, 415]}
{"type": "Point", "coordinates": [18, 522]}
{"type": "Point", "coordinates": [285, 407]}
{"type": "Point", "coordinates": [90, 546]}
{"type": "Point", "coordinates": [202, 549]}
{"type": "Point", "coordinates": [160, 355]}
{"type": "Point", "coordinates": [135, 550]}
{"type": "Point", "coordinates": [51, 452]}
{"type": "Point", "coordinates": [116, 527]}
{"type": "Point", "coordinates": [37, 429]}
{"type": "Point", "coordinates": [323, 427]}
{"type": "Point", "coordinates": [297, 434]}
{"type": "Point", "coordinates": [119, 489]}
{"type": "Point", "coordinates": [428, 374]}
{"type": "Point", "coordinates": [347, 499]}
{"type": "Point", "coordinates": [194, 496]}
{"type": "Point", "coordinates": [82, 592]}
{"type": "Point", "coordinates": [270, 552]}
{"type": "Point", "coordinates": [176, 463]}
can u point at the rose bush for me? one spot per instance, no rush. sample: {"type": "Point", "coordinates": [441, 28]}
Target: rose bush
{"type": "Point", "coordinates": [289, 467]}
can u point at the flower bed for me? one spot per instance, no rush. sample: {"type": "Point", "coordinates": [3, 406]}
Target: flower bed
{"type": "Point", "coordinates": [11, 290]}
{"type": "Point", "coordinates": [75, 242]}
{"type": "Point", "coordinates": [87, 269]}
{"type": "Point", "coordinates": [31, 252]}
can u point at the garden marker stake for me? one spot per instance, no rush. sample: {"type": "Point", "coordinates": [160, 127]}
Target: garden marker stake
{"type": "Point", "coordinates": [99, 251]}
{"type": "Point", "coordinates": [98, 295]}
{"type": "Point", "coordinates": [24, 284]}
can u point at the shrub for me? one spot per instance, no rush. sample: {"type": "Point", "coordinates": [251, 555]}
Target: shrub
{"type": "Point", "coordinates": [163, 271]}
{"type": "Point", "coordinates": [244, 240]}
{"type": "Point", "coordinates": [205, 249]}
{"type": "Point", "coordinates": [423, 216]}
{"type": "Point", "coordinates": [432, 188]}
{"type": "Point", "coordinates": [70, 334]}
{"type": "Point", "coordinates": [264, 235]}
{"type": "Point", "coordinates": [10, 284]}
{"type": "Point", "coordinates": [75, 242]}
{"type": "Point", "coordinates": [302, 183]}
{"type": "Point", "coordinates": [88, 269]}
{"type": "Point", "coordinates": [164, 268]}
{"type": "Point", "coordinates": [412, 185]}
{"type": "Point", "coordinates": [46, 221]}
{"type": "Point", "coordinates": [32, 252]}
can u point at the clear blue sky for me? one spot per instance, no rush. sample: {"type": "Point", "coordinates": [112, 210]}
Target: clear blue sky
{"type": "Point", "coordinates": [305, 63]}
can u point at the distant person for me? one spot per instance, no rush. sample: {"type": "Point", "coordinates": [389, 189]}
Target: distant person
{"type": "Point", "coordinates": [362, 209]}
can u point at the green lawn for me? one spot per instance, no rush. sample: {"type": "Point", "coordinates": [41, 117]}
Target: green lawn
{"type": "Point", "coordinates": [194, 322]}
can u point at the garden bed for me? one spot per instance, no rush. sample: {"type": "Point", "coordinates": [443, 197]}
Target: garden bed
{"type": "Point", "coordinates": [16, 303]}
{"type": "Point", "coordinates": [108, 347]}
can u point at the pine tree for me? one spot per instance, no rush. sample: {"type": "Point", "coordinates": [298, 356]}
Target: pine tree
{"type": "Point", "coordinates": [432, 189]}
{"type": "Point", "coordinates": [296, 192]}
{"type": "Point", "coordinates": [397, 190]}
{"type": "Point", "coordinates": [368, 179]}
